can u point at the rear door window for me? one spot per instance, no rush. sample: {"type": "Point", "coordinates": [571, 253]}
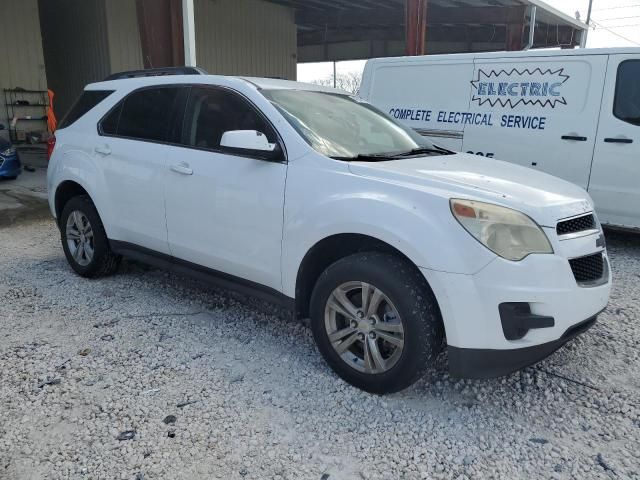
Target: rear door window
{"type": "Point", "coordinates": [627, 102]}
{"type": "Point", "coordinates": [88, 100]}
{"type": "Point", "coordinates": [146, 115]}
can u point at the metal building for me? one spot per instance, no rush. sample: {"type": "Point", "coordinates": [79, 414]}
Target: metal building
{"type": "Point", "coordinates": [333, 30]}
{"type": "Point", "coordinates": [65, 44]}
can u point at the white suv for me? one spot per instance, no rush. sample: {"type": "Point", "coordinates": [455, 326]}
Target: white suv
{"type": "Point", "coordinates": [314, 198]}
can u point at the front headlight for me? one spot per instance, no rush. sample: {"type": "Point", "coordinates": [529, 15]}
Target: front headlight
{"type": "Point", "coordinates": [8, 152]}
{"type": "Point", "coordinates": [506, 232]}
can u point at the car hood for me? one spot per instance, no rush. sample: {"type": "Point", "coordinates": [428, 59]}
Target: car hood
{"type": "Point", "coordinates": [543, 197]}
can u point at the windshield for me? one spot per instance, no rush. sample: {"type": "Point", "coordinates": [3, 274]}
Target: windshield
{"type": "Point", "coordinates": [340, 126]}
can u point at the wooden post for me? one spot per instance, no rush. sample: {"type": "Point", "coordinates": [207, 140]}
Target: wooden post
{"type": "Point", "coordinates": [416, 26]}
{"type": "Point", "coordinates": [515, 36]}
{"type": "Point", "coordinates": [161, 36]}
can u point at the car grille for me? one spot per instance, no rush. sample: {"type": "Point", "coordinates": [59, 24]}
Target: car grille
{"type": "Point", "coordinates": [575, 225]}
{"type": "Point", "coordinates": [588, 269]}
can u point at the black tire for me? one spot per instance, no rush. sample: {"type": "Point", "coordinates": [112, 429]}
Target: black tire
{"type": "Point", "coordinates": [413, 300]}
{"type": "Point", "coordinates": [104, 261]}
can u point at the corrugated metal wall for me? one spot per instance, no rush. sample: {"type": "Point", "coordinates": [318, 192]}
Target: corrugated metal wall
{"type": "Point", "coordinates": [82, 41]}
{"type": "Point", "coordinates": [74, 40]}
{"type": "Point", "coordinates": [21, 59]}
{"type": "Point", "coordinates": [125, 51]}
{"type": "Point", "coordinates": [241, 37]}
{"type": "Point", "coordinates": [245, 37]}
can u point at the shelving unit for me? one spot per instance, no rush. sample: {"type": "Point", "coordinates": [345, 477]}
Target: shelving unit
{"type": "Point", "coordinates": [24, 105]}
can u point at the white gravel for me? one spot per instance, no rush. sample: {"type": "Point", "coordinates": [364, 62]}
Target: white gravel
{"type": "Point", "coordinates": [83, 363]}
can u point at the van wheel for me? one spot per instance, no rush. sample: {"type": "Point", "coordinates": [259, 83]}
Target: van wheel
{"type": "Point", "coordinates": [375, 322]}
{"type": "Point", "coordinates": [84, 240]}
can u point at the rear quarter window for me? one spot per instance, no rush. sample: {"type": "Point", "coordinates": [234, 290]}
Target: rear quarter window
{"type": "Point", "coordinates": [87, 101]}
{"type": "Point", "coordinates": [109, 124]}
{"type": "Point", "coordinates": [146, 114]}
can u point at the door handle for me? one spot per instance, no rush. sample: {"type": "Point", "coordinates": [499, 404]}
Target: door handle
{"type": "Point", "coordinates": [574, 138]}
{"type": "Point", "coordinates": [182, 168]}
{"type": "Point", "coordinates": [103, 150]}
{"type": "Point", "coordinates": [618, 140]}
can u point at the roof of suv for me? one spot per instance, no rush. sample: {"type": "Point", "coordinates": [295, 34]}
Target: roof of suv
{"type": "Point", "coordinates": [259, 83]}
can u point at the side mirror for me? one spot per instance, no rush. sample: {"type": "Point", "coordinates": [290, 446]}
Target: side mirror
{"type": "Point", "coordinates": [2, 127]}
{"type": "Point", "coordinates": [250, 142]}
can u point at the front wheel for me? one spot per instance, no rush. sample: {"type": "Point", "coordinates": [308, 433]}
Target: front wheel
{"type": "Point", "coordinates": [84, 239]}
{"type": "Point", "coordinates": [376, 322]}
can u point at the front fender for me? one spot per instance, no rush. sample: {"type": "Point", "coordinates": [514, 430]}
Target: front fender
{"type": "Point", "coordinates": [417, 224]}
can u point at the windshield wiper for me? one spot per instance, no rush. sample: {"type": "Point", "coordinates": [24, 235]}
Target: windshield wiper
{"type": "Point", "coordinates": [374, 157]}
{"type": "Point", "coordinates": [422, 151]}
{"type": "Point", "coordinates": [377, 157]}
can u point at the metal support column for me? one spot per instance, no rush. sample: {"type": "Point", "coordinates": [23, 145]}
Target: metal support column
{"type": "Point", "coordinates": [585, 33]}
{"type": "Point", "coordinates": [533, 10]}
{"type": "Point", "coordinates": [189, 32]}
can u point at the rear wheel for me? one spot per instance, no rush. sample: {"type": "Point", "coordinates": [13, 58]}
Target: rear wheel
{"type": "Point", "coordinates": [84, 240]}
{"type": "Point", "coordinates": [375, 321]}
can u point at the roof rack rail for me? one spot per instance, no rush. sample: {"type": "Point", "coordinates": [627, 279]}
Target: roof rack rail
{"type": "Point", "coordinates": [156, 72]}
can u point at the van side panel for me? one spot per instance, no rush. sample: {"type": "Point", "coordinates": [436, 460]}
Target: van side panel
{"type": "Point", "coordinates": [543, 112]}
{"type": "Point", "coordinates": [615, 176]}
{"type": "Point", "coordinates": [418, 92]}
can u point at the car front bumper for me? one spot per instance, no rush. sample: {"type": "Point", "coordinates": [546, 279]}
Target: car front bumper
{"type": "Point", "coordinates": [477, 329]}
{"type": "Point", "coordinates": [487, 363]}
{"type": "Point", "coordinates": [10, 166]}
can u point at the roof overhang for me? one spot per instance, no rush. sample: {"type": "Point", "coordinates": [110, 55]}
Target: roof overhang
{"type": "Point", "coordinates": [551, 15]}
{"type": "Point", "coordinates": [332, 30]}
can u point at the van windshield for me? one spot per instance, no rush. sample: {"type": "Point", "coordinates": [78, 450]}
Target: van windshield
{"type": "Point", "coordinates": [345, 128]}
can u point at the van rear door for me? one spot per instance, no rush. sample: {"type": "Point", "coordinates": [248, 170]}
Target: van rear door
{"type": "Point", "coordinates": [428, 95]}
{"type": "Point", "coordinates": [615, 178]}
{"type": "Point", "coordinates": [543, 110]}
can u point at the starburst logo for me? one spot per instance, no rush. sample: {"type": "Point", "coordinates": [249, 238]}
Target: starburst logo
{"type": "Point", "coordinates": [510, 88]}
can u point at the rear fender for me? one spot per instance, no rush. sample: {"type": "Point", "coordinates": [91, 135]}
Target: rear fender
{"type": "Point", "coordinates": [76, 165]}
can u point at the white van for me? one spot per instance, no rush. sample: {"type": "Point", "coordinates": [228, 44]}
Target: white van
{"type": "Point", "coordinates": [571, 113]}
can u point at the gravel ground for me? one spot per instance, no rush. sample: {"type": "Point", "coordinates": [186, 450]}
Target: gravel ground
{"type": "Point", "coordinates": [147, 375]}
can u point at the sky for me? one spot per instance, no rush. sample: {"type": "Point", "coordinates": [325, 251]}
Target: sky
{"type": "Point", "coordinates": [615, 23]}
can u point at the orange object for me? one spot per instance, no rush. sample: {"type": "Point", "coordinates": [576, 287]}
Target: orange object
{"type": "Point", "coordinates": [52, 123]}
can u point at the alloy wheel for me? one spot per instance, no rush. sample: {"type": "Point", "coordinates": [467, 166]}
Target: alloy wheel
{"type": "Point", "coordinates": [364, 327]}
{"type": "Point", "coordinates": [79, 236]}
